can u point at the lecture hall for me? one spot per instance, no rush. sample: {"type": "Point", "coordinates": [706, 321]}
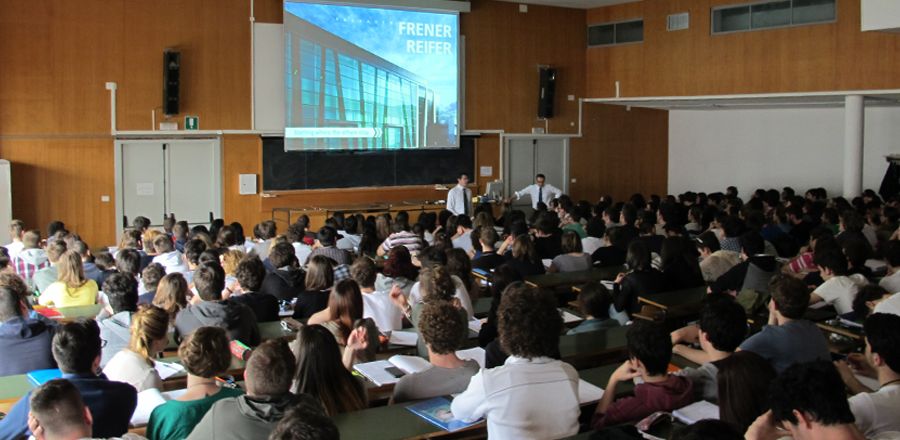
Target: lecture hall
{"type": "Point", "coordinates": [455, 219]}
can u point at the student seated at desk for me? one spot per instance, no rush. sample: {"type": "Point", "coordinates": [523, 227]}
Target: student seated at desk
{"type": "Point", "coordinates": [208, 309]}
{"type": "Point", "coordinates": [891, 281]}
{"type": "Point", "coordinates": [431, 257]}
{"type": "Point", "coordinates": [377, 305]}
{"type": "Point", "coordinates": [714, 261]}
{"type": "Point", "coordinates": [678, 263]}
{"type": "Point", "coordinates": [444, 330]}
{"type": "Point", "coordinates": [547, 236]}
{"type": "Point", "coordinates": [250, 275]}
{"type": "Point", "coordinates": [572, 258]}
{"type": "Point", "coordinates": [523, 257]}
{"type": "Point", "coordinates": [649, 354]}
{"type": "Point", "coordinates": [115, 317]}
{"type": "Point", "coordinates": [134, 365]}
{"type": "Point", "coordinates": [593, 301]}
{"type": "Point", "coordinates": [24, 337]}
{"type": "Point", "coordinates": [46, 276]}
{"type": "Point", "coordinates": [435, 284]}
{"type": "Point", "coordinates": [71, 288]}
{"type": "Point", "coordinates": [286, 281]}
{"type": "Point", "coordinates": [150, 278]}
{"type": "Point", "coordinates": [839, 288]}
{"type": "Point", "coordinates": [204, 355]}
{"type": "Point", "coordinates": [31, 258]}
{"type": "Point", "coordinates": [531, 396]}
{"type": "Point", "coordinates": [171, 259]}
{"type": "Point", "coordinates": [788, 338]}
{"type": "Point", "coordinates": [876, 411]}
{"type": "Point", "coordinates": [325, 246]}
{"type": "Point", "coordinates": [723, 326]}
{"type": "Point", "coordinates": [743, 380]}
{"type": "Point", "coordinates": [642, 279]}
{"type": "Point", "coordinates": [58, 412]}
{"type": "Point", "coordinates": [76, 348]}
{"type": "Point", "coordinates": [295, 235]}
{"type": "Point", "coordinates": [503, 276]}
{"type": "Point", "coordinates": [322, 374]}
{"type": "Point", "coordinates": [808, 402]}
{"type": "Point", "coordinates": [489, 258]}
{"type": "Point", "coordinates": [171, 294]}
{"type": "Point", "coordinates": [344, 314]}
{"type": "Point", "coordinates": [398, 269]}
{"type": "Point", "coordinates": [319, 279]}
{"type": "Point", "coordinates": [267, 379]}
{"type": "Point", "coordinates": [752, 248]}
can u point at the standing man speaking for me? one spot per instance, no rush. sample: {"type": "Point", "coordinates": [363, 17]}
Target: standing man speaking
{"type": "Point", "coordinates": [538, 191]}
{"type": "Point", "coordinates": [459, 198]}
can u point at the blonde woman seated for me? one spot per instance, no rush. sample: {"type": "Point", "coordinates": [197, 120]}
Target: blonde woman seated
{"type": "Point", "coordinates": [72, 288]}
{"type": "Point", "coordinates": [134, 365]}
{"type": "Point", "coordinates": [345, 314]}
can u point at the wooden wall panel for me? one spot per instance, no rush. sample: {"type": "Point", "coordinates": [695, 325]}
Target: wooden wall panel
{"type": "Point", "coordinates": [823, 57]}
{"type": "Point", "coordinates": [503, 50]}
{"type": "Point", "coordinates": [621, 152]}
{"type": "Point", "coordinates": [64, 179]}
{"type": "Point", "coordinates": [240, 155]}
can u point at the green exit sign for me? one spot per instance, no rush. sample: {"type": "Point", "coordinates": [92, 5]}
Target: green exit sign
{"type": "Point", "coordinates": [191, 122]}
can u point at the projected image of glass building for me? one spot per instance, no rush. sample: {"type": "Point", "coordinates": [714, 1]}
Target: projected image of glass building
{"type": "Point", "coordinates": [332, 83]}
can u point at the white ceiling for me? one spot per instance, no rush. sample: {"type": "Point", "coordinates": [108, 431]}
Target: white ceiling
{"type": "Point", "coordinates": [876, 98]}
{"type": "Point", "coordinates": [578, 4]}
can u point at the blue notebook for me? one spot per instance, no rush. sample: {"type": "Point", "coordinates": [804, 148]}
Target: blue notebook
{"type": "Point", "coordinates": [437, 412]}
{"type": "Point", "coordinates": [40, 377]}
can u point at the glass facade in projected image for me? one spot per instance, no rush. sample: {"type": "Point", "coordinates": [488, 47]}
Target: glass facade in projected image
{"type": "Point", "coordinates": [335, 83]}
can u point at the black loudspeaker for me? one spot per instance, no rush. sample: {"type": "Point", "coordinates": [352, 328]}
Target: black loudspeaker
{"type": "Point", "coordinates": [546, 92]}
{"type": "Point", "coordinates": [171, 73]}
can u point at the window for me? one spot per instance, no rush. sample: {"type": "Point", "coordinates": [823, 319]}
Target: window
{"type": "Point", "coordinates": [607, 34]}
{"type": "Point", "coordinates": [772, 14]}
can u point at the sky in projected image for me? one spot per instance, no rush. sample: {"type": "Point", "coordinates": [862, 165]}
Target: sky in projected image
{"type": "Point", "coordinates": [380, 31]}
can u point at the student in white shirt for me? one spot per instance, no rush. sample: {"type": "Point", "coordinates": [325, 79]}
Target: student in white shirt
{"type": "Point", "coordinates": [889, 305]}
{"type": "Point", "coordinates": [435, 256]}
{"type": "Point", "coordinates": [838, 289]}
{"type": "Point", "coordinates": [376, 304]}
{"type": "Point", "coordinates": [459, 198]}
{"type": "Point", "coordinates": [595, 230]}
{"type": "Point", "coordinates": [891, 282]}
{"type": "Point", "coordinates": [350, 237]}
{"type": "Point", "coordinates": [149, 336]}
{"type": "Point", "coordinates": [531, 396]}
{"type": "Point", "coordinates": [538, 191]}
{"type": "Point", "coordinates": [168, 256]}
{"type": "Point", "coordinates": [16, 232]}
{"type": "Point", "coordinates": [463, 237]}
{"type": "Point", "coordinates": [876, 411]}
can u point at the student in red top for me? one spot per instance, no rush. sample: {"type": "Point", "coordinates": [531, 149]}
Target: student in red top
{"type": "Point", "coordinates": [649, 351]}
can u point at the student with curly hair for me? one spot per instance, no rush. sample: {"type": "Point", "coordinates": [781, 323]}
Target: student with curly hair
{"type": "Point", "coordinates": [444, 329]}
{"type": "Point", "coordinates": [531, 395]}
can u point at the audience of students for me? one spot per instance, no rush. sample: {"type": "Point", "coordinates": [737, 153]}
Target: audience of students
{"type": "Point", "coordinates": [76, 349]}
{"type": "Point", "coordinates": [736, 253]}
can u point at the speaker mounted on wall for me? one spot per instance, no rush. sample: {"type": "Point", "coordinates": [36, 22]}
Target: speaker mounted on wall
{"type": "Point", "coordinates": [546, 92]}
{"type": "Point", "coordinates": [171, 83]}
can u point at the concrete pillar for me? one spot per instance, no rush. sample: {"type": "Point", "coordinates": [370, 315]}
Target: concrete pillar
{"type": "Point", "coordinates": [854, 128]}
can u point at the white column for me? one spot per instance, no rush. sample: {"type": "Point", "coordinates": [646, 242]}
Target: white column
{"type": "Point", "coordinates": [854, 125]}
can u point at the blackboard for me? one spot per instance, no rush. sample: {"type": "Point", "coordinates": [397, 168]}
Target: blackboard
{"type": "Point", "coordinates": [296, 170]}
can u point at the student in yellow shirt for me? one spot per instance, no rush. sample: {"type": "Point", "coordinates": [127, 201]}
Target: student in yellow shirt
{"type": "Point", "coordinates": [71, 287]}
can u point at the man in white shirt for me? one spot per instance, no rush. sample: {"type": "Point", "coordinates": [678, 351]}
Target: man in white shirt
{"type": "Point", "coordinates": [889, 305]}
{"type": "Point", "coordinates": [463, 237]}
{"type": "Point", "coordinates": [538, 191]}
{"type": "Point", "coordinates": [876, 411]}
{"type": "Point", "coordinates": [16, 232]}
{"type": "Point", "coordinates": [350, 239]}
{"type": "Point", "coordinates": [459, 198]}
{"type": "Point", "coordinates": [376, 304]}
{"type": "Point", "coordinates": [838, 289]}
{"type": "Point", "coordinates": [531, 396]}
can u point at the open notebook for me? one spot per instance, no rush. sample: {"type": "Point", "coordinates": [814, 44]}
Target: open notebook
{"type": "Point", "coordinates": [147, 401]}
{"type": "Point", "coordinates": [391, 370]}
